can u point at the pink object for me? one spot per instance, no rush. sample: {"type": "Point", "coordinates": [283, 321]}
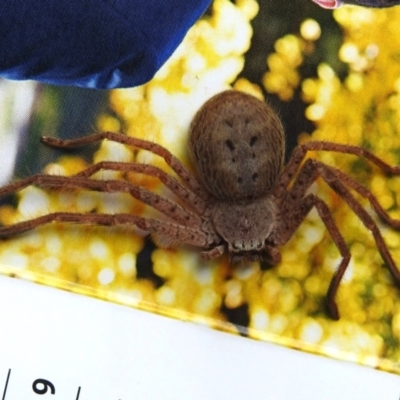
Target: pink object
{"type": "Point", "coordinates": [330, 4]}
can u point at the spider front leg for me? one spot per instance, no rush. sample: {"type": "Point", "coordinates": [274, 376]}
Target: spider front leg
{"type": "Point", "coordinates": [368, 222]}
{"type": "Point", "coordinates": [311, 170]}
{"type": "Point", "coordinates": [176, 232]}
{"type": "Point", "coordinates": [186, 227]}
{"type": "Point", "coordinates": [295, 207]}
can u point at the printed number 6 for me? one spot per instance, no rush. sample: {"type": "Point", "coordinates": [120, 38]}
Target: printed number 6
{"type": "Point", "coordinates": [46, 385]}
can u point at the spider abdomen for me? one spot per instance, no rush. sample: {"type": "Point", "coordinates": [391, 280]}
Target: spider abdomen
{"type": "Point", "coordinates": [237, 145]}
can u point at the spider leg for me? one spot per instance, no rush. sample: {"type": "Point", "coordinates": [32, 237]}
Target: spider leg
{"type": "Point", "coordinates": [310, 171]}
{"type": "Point", "coordinates": [301, 150]}
{"type": "Point", "coordinates": [326, 216]}
{"type": "Point", "coordinates": [154, 148]}
{"type": "Point", "coordinates": [363, 191]}
{"type": "Point", "coordinates": [366, 219]}
{"type": "Point", "coordinates": [180, 233]}
{"type": "Point", "coordinates": [172, 210]}
{"type": "Point", "coordinates": [296, 218]}
{"type": "Point", "coordinates": [171, 183]}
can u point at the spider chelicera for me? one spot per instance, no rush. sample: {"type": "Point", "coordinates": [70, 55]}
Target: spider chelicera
{"type": "Point", "coordinates": [244, 202]}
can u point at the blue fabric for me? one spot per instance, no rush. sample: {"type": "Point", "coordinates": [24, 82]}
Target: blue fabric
{"type": "Point", "coordinates": [92, 43]}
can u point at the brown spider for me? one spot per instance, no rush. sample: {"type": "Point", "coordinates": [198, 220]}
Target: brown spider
{"type": "Point", "coordinates": [246, 204]}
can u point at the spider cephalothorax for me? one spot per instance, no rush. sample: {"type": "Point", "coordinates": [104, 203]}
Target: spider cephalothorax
{"type": "Point", "coordinates": [244, 203]}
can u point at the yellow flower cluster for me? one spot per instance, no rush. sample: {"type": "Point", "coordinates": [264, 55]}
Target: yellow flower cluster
{"type": "Point", "coordinates": [282, 77]}
{"type": "Point", "coordinates": [362, 109]}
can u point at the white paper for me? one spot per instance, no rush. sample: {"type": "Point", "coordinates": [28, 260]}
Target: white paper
{"type": "Point", "coordinates": [89, 349]}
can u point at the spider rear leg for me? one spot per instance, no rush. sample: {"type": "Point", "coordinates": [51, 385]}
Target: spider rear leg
{"type": "Point", "coordinates": [154, 148]}
{"type": "Point", "coordinates": [171, 183]}
{"type": "Point", "coordinates": [301, 151]}
{"type": "Point", "coordinates": [172, 210]}
{"type": "Point", "coordinates": [363, 191]}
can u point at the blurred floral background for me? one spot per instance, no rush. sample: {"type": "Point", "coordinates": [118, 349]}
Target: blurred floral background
{"type": "Point", "coordinates": [330, 75]}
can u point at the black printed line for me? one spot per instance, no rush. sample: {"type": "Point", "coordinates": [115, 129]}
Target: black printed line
{"type": "Point", "coordinates": [5, 387]}
{"type": "Point", "coordinates": [79, 392]}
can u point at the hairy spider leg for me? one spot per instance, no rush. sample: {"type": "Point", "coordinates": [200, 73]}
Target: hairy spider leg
{"type": "Point", "coordinates": [154, 148]}
{"type": "Point", "coordinates": [180, 233]}
{"type": "Point", "coordinates": [183, 193]}
{"type": "Point", "coordinates": [295, 207]}
{"type": "Point", "coordinates": [172, 210]}
{"type": "Point", "coordinates": [335, 183]}
{"type": "Point", "coordinates": [330, 176]}
{"type": "Point", "coordinates": [337, 180]}
{"type": "Point", "coordinates": [363, 191]}
{"type": "Point", "coordinates": [300, 152]}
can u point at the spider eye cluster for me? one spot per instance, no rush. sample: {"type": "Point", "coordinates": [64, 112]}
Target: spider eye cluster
{"type": "Point", "coordinates": [237, 145]}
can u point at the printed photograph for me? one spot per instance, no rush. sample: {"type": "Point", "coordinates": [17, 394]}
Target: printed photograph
{"type": "Point", "coordinates": [252, 185]}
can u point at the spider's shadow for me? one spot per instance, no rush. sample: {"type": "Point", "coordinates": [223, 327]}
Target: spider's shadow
{"type": "Point", "coordinates": [238, 316]}
{"type": "Point", "coordinates": [10, 200]}
{"type": "Point", "coordinates": [144, 264]}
